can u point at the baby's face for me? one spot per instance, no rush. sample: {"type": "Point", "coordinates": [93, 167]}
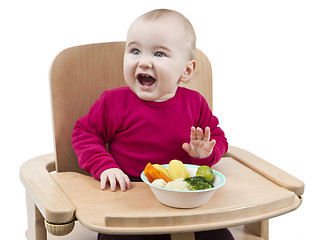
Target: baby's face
{"type": "Point", "coordinates": [156, 57]}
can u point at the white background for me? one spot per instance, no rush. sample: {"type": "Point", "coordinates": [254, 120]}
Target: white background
{"type": "Point", "coordinates": [262, 58]}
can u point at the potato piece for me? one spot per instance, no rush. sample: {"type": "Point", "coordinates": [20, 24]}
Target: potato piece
{"type": "Point", "coordinates": [161, 169]}
{"type": "Point", "coordinates": [176, 169]}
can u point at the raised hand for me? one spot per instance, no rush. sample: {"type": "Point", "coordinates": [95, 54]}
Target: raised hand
{"type": "Point", "coordinates": [200, 145]}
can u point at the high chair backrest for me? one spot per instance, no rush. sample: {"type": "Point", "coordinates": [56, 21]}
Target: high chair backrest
{"type": "Point", "coordinates": [80, 74]}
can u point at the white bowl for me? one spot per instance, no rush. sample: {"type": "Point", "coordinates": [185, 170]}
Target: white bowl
{"type": "Point", "coordinates": [185, 199]}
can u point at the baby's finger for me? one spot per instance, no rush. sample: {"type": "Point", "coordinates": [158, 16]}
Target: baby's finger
{"type": "Point", "coordinates": [186, 147]}
{"type": "Point", "coordinates": [123, 181]}
{"type": "Point", "coordinates": [199, 133]}
{"type": "Point", "coordinates": [112, 180]}
{"type": "Point", "coordinates": [127, 180]}
{"type": "Point", "coordinates": [103, 181]}
{"type": "Point", "coordinates": [127, 183]}
{"type": "Point", "coordinates": [210, 146]}
{"type": "Point", "coordinates": [207, 134]}
{"type": "Point", "coordinates": [193, 133]}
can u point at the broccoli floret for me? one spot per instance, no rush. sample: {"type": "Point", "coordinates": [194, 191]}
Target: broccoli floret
{"type": "Point", "coordinates": [198, 183]}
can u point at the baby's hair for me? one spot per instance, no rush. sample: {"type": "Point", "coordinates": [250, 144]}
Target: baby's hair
{"type": "Point", "coordinates": [189, 30]}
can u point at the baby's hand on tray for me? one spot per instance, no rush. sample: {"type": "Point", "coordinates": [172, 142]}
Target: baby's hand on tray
{"type": "Point", "coordinates": [200, 145]}
{"type": "Point", "coordinates": [114, 175]}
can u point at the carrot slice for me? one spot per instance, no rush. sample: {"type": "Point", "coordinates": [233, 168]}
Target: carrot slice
{"type": "Point", "coordinates": [146, 172]}
{"type": "Point", "coordinates": [165, 177]}
{"type": "Point", "coordinates": [152, 173]}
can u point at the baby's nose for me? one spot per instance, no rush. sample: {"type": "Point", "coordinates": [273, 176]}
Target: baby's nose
{"type": "Point", "coordinates": [144, 62]}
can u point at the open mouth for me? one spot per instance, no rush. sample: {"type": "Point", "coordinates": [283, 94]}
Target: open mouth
{"type": "Point", "coordinates": [145, 80]}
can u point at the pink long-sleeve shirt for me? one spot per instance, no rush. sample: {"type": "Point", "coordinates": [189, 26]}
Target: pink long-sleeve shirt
{"type": "Point", "coordinates": [138, 131]}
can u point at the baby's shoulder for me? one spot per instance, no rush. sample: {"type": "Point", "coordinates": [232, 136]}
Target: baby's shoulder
{"type": "Point", "coordinates": [115, 94]}
{"type": "Point", "coordinates": [120, 91]}
{"type": "Point", "coordinates": [190, 94]}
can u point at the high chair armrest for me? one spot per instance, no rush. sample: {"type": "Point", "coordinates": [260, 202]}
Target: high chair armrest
{"type": "Point", "coordinates": [266, 169]}
{"type": "Point", "coordinates": [51, 201]}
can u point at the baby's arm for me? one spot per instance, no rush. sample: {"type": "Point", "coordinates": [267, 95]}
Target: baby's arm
{"type": "Point", "coordinates": [95, 159]}
{"type": "Point", "coordinates": [200, 145]}
{"type": "Point", "coordinates": [89, 138]}
{"type": "Point", "coordinates": [114, 175]}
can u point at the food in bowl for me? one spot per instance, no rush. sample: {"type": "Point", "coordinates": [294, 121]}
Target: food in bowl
{"type": "Point", "coordinates": [178, 184]}
{"type": "Point", "coordinates": [176, 169]}
{"type": "Point", "coordinates": [206, 172]}
{"type": "Point", "coordinates": [185, 198]}
{"type": "Point", "coordinates": [198, 183]}
{"type": "Point", "coordinates": [177, 177]}
{"type": "Point", "coordinates": [153, 173]}
{"type": "Point", "coordinates": [185, 184]}
{"type": "Point", "coordinates": [159, 182]}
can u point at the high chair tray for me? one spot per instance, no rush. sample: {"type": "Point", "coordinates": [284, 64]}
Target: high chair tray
{"type": "Point", "coordinates": [246, 197]}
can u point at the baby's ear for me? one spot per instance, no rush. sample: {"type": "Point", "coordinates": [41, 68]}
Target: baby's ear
{"type": "Point", "coordinates": [190, 69]}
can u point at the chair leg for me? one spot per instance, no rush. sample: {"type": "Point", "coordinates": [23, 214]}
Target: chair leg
{"type": "Point", "coordinates": [36, 227]}
{"type": "Point", "coordinates": [183, 236]}
{"type": "Point", "coordinates": [261, 229]}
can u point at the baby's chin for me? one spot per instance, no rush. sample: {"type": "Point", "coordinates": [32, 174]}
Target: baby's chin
{"type": "Point", "coordinates": [147, 97]}
{"type": "Point", "coordinates": [152, 98]}
{"type": "Point", "coordinates": [151, 95]}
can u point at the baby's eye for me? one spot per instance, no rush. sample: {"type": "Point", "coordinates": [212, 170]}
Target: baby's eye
{"type": "Point", "coordinates": [135, 51]}
{"type": "Point", "coordinates": [159, 54]}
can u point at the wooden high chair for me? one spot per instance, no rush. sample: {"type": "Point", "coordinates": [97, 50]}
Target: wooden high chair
{"type": "Point", "coordinates": [59, 193]}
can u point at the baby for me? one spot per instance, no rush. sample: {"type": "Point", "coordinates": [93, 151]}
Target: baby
{"type": "Point", "coordinates": [153, 119]}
